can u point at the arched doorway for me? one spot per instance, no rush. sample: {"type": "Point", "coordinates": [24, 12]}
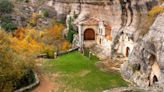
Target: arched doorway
{"type": "Point", "coordinates": [127, 51]}
{"type": "Point", "coordinates": [89, 34]}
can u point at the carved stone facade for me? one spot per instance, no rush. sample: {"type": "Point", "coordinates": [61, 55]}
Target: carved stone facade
{"type": "Point", "coordinates": [92, 29]}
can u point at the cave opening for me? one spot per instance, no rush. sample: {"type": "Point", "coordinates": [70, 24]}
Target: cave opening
{"type": "Point", "coordinates": [155, 70]}
{"type": "Point", "coordinates": [127, 51]}
{"type": "Point", "coordinates": [155, 79]}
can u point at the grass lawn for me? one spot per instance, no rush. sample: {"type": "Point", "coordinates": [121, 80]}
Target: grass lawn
{"type": "Point", "coordinates": [77, 73]}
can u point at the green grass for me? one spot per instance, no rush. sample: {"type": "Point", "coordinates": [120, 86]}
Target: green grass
{"type": "Point", "coordinates": [78, 73]}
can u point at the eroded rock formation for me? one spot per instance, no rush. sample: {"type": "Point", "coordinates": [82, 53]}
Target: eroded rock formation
{"type": "Point", "coordinates": [122, 15]}
{"type": "Point", "coordinates": [145, 66]}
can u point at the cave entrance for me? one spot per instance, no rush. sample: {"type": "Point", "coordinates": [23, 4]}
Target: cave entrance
{"type": "Point", "coordinates": [155, 79]}
{"type": "Point", "coordinates": [155, 70]}
{"type": "Point", "coordinates": [127, 51]}
{"type": "Point", "coordinates": [89, 34]}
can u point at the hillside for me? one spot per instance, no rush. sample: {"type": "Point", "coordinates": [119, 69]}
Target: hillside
{"type": "Point", "coordinates": [126, 35]}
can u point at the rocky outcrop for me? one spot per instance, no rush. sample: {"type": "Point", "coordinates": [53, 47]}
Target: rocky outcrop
{"type": "Point", "coordinates": [145, 67]}
{"type": "Point", "coordinates": [118, 12]}
{"type": "Point", "coordinates": [122, 15]}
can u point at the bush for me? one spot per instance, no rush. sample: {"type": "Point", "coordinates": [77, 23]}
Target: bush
{"type": "Point", "coordinates": [27, 79]}
{"type": "Point", "coordinates": [34, 18]}
{"type": "Point", "coordinates": [6, 6]}
{"type": "Point", "coordinates": [45, 13]}
{"type": "Point", "coordinates": [49, 50]}
{"type": "Point", "coordinates": [7, 24]}
{"type": "Point", "coordinates": [70, 36]}
{"type": "Point", "coordinates": [50, 54]}
{"type": "Point", "coordinates": [156, 10]}
{"type": "Point", "coordinates": [66, 45]}
{"type": "Point", "coordinates": [149, 19]}
{"type": "Point", "coordinates": [13, 64]}
{"type": "Point", "coordinates": [71, 31]}
{"type": "Point", "coordinates": [86, 52]}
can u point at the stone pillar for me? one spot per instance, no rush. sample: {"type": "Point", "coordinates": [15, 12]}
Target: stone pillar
{"type": "Point", "coordinates": [55, 55]}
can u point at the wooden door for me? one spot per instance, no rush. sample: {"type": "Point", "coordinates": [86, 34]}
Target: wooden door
{"type": "Point", "coordinates": [89, 34]}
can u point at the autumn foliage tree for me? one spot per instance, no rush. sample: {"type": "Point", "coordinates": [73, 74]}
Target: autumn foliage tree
{"type": "Point", "coordinates": [27, 40]}
{"type": "Point", "coordinates": [12, 64]}
{"type": "Point", "coordinates": [54, 36]}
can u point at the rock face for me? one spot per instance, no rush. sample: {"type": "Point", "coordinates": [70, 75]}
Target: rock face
{"type": "Point", "coordinates": [122, 15]}
{"type": "Point", "coordinates": [118, 13]}
{"type": "Point", "coordinates": [146, 63]}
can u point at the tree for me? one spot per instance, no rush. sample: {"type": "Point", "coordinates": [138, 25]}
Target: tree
{"type": "Point", "coordinates": [12, 64]}
{"type": "Point", "coordinates": [71, 31]}
{"type": "Point", "coordinates": [53, 33]}
{"type": "Point", "coordinates": [45, 13]}
{"type": "Point", "coordinates": [7, 24]}
{"type": "Point", "coordinates": [6, 6]}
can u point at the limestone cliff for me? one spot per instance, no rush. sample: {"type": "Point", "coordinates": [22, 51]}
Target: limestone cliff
{"type": "Point", "coordinates": [118, 13]}
{"type": "Point", "coordinates": [122, 15]}
{"type": "Point", "coordinates": [145, 66]}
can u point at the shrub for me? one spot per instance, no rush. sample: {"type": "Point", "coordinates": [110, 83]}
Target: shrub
{"type": "Point", "coordinates": [53, 34]}
{"type": "Point", "coordinates": [147, 20]}
{"type": "Point", "coordinates": [45, 13]}
{"type": "Point", "coordinates": [70, 36]}
{"type": "Point", "coordinates": [6, 6]}
{"type": "Point", "coordinates": [49, 50]}
{"type": "Point", "coordinates": [8, 26]}
{"type": "Point", "coordinates": [156, 10]}
{"type": "Point", "coordinates": [50, 54]}
{"type": "Point", "coordinates": [27, 79]}
{"type": "Point", "coordinates": [86, 52]}
{"type": "Point", "coordinates": [7, 23]}
{"type": "Point", "coordinates": [71, 31]}
{"type": "Point", "coordinates": [34, 18]}
{"type": "Point", "coordinates": [13, 64]}
{"type": "Point", "coordinates": [66, 45]}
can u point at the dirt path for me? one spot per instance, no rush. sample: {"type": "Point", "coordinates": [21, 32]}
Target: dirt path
{"type": "Point", "coordinates": [45, 85]}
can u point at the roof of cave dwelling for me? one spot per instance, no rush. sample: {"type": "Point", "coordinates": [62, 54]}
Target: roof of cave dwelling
{"type": "Point", "coordinates": [89, 21]}
{"type": "Point", "coordinates": [95, 22]}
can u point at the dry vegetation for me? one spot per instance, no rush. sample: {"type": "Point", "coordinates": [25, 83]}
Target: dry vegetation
{"type": "Point", "coordinates": [148, 20]}
{"type": "Point", "coordinates": [19, 49]}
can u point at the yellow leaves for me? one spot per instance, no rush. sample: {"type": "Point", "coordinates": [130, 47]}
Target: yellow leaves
{"type": "Point", "coordinates": [34, 18]}
{"type": "Point", "coordinates": [35, 15]}
{"type": "Point", "coordinates": [30, 46]}
{"type": "Point", "coordinates": [66, 45]}
{"type": "Point", "coordinates": [20, 33]}
{"type": "Point", "coordinates": [156, 10]}
{"type": "Point", "coordinates": [54, 32]}
{"type": "Point", "coordinates": [53, 35]}
{"type": "Point", "coordinates": [29, 40]}
{"type": "Point", "coordinates": [24, 40]}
